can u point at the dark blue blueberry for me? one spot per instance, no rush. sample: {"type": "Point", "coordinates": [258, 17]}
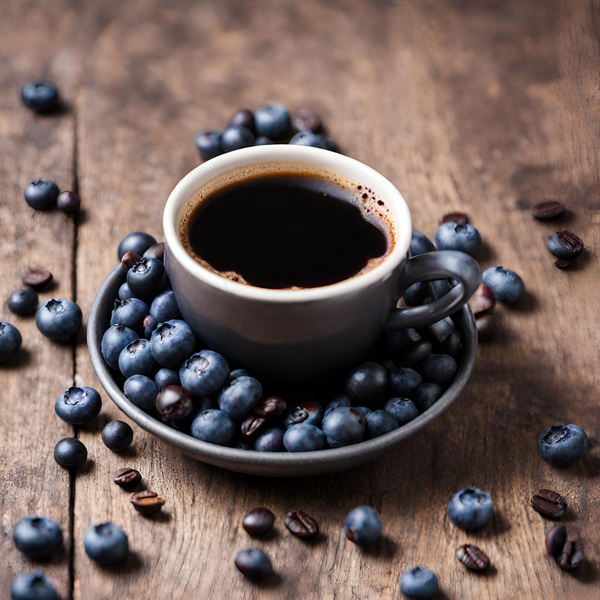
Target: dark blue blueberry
{"type": "Point", "coordinates": [117, 436]}
{"type": "Point", "coordinates": [420, 244]}
{"type": "Point", "coordinates": [164, 307]}
{"type": "Point", "coordinates": [506, 285]}
{"type": "Point", "coordinates": [172, 342]}
{"type": "Point", "coordinates": [202, 404]}
{"type": "Point", "coordinates": [380, 422]}
{"type": "Point", "coordinates": [458, 236]}
{"type": "Point", "coordinates": [141, 391]}
{"type": "Point", "coordinates": [137, 242]}
{"type": "Point", "coordinates": [23, 302]}
{"type": "Point", "coordinates": [236, 373]}
{"type": "Point", "coordinates": [562, 445]}
{"type": "Point", "coordinates": [208, 144]}
{"type": "Point", "coordinates": [130, 313]}
{"type": "Point", "coordinates": [402, 409]}
{"type": "Point", "coordinates": [239, 397]}
{"type": "Point", "coordinates": [58, 319]}
{"type": "Point", "coordinates": [10, 341]}
{"type": "Point", "coordinates": [339, 401]}
{"type": "Point", "coordinates": [253, 564]}
{"type": "Point", "coordinates": [165, 377]}
{"type": "Point", "coordinates": [304, 438]}
{"type": "Point", "coordinates": [68, 202]}
{"type": "Point", "coordinates": [273, 121]}
{"type": "Point", "coordinates": [309, 412]}
{"type": "Point", "coordinates": [403, 381]}
{"type": "Point", "coordinates": [106, 544]}
{"type": "Point", "coordinates": [243, 118]}
{"type": "Point", "coordinates": [236, 137]}
{"type": "Point", "coordinates": [204, 373]}
{"type": "Point", "coordinates": [419, 584]}
{"type": "Point", "coordinates": [416, 294]}
{"type": "Point", "coordinates": [124, 292]}
{"type": "Point", "coordinates": [470, 508]}
{"type": "Point", "coordinates": [78, 405]}
{"type": "Point", "coordinates": [263, 141]}
{"type": "Point", "coordinates": [40, 96]}
{"type": "Point", "coordinates": [147, 278]}
{"type": "Point", "coordinates": [149, 324]}
{"type": "Point", "coordinates": [32, 586]}
{"type": "Point", "coordinates": [426, 395]}
{"type": "Point", "coordinates": [136, 359]}
{"type": "Point", "coordinates": [363, 526]}
{"type": "Point", "coordinates": [41, 194]}
{"type": "Point", "coordinates": [70, 452]}
{"type": "Point", "coordinates": [116, 338]}
{"type": "Point", "coordinates": [366, 383]}
{"type": "Point", "coordinates": [414, 354]}
{"type": "Point", "coordinates": [439, 368]}
{"type": "Point", "coordinates": [270, 441]}
{"type": "Point", "coordinates": [363, 410]}
{"type": "Point", "coordinates": [37, 537]}
{"type": "Point", "coordinates": [397, 340]}
{"type": "Point", "coordinates": [308, 138]}
{"type": "Point", "coordinates": [344, 426]}
{"type": "Point", "coordinates": [214, 426]}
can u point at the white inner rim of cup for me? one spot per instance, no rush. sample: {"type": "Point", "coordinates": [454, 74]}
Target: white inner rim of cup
{"type": "Point", "coordinates": [312, 157]}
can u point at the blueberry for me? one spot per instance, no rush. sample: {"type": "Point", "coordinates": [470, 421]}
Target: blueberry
{"type": "Point", "coordinates": [416, 294]}
{"type": "Point", "coordinates": [141, 391]}
{"type": "Point", "coordinates": [147, 278]}
{"type": "Point", "coordinates": [270, 441]}
{"type": "Point", "coordinates": [366, 383]}
{"type": "Point", "coordinates": [426, 395]}
{"type": "Point", "coordinates": [124, 292]}
{"type": "Point", "coordinates": [149, 324]}
{"type": "Point", "coordinates": [253, 564]}
{"type": "Point", "coordinates": [344, 426]}
{"type": "Point", "coordinates": [420, 244]}
{"type": "Point", "coordinates": [136, 359]}
{"type": "Point", "coordinates": [402, 409]}
{"type": "Point", "coordinates": [470, 508]}
{"type": "Point", "coordinates": [403, 381]}
{"type": "Point", "coordinates": [263, 141]}
{"type": "Point", "coordinates": [37, 537]}
{"type": "Point", "coordinates": [414, 354]}
{"type": "Point", "coordinates": [458, 236]}
{"type": "Point", "coordinates": [58, 319]}
{"type": "Point", "coordinates": [309, 412]}
{"type": "Point", "coordinates": [363, 410]}
{"type": "Point", "coordinates": [397, 340]}
{"type": "Point", "coordinates": [273, 121]}
{"type": "Point", "coordinates": [204, 373]}
{"type": "Point", "coordinates": [165, 377]}
{"type": "Point", "coordinates": [23, 302]}
{"type": "Point", "coordinates": [116, 338]}
{"type": "Point", "coordinates": [235, 374]}
{"type": "Point", "coordinates": [339, 401]}
{"type": "Point", "coordinates": [172, 342]}
{"type": "Point", "coordinates": [236, 137]}
{"type": "Point", "coordinates": [32, 586]}
{"type": "Point", "coordinates": [214, 426]}
{"type": "Point", "coordinates": [506, 285]}
{"type": "Point", "coordinates": [137, 242]}
{"type": "Point", "coordinates": [363, 526]}
{"type": "Point", "coordinates": [439, 368]}
{"type": "Point", "coordinates": [239, 397]}
{"type": "Point", "coordinates": [130, 313]}
{"type": "Point", "coordinates": [10, 341]}
{"type": "Point", "coordinates": [208, 144]}
{"type": "Point", "coordinates": [304, 438]}
{"type": "Point", "coordinates": [41, 194]}
{"type": "Point", "coordinates": [380, 422]}
{"type": "Point", "coordinates": [70, 452]}
{"type": "Point", "coordinates": [419, 584]}
{"type": "Point", "coordinates": [117, 435]}
{"type": "Point", "coordinates": [243, 118]}
{"type": "Point", "coordinates": [106, 544]}
{"type": "Point", "coordinates": [40, 96]}
{"type": "Point", "coordinates": [78, 405]}
{"type": "Point", "coordinates": [308, 138]}
{"type": "Point", "coordinates": [68, 202]}
{"type": "Point", "coordinates": [164, 307]}
{"type": "Point", "coordinates": [562, 445]}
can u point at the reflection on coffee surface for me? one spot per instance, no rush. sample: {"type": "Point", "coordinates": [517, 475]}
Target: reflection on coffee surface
{"type": "Point", "coordinates": [282, 231]}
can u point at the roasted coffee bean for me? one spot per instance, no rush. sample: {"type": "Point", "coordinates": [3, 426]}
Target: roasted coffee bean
{"type": "Point", "coordinates": [546, 211]}
{"type": "Point", "coordinates": [549, 503]}
{"type": "Point", "coordinates": [472, 557]}
{"type": "Point", "coordinates": [300, 524]}
{"type": "Point", "coordinates": [565, 245]}
{"type": "Point", "coordinates": [555, 540]}
{"type": "Point", "coordinates": [307, 120]}
{"type": "Point", "coordinates": [459, 217]}
{"type": "Point", "coordinates": [127, 477]}
{"type": "Point", "coordinates": [271, 406]}
{"type": "Point", "coordinates": [251, 425]}
{"type": "Point", "coordinates": [488, 327]}
{"type": "Point", "coordinates": [129, 259]}
{"type": "Point", "coordinates": [563, 264]}
{"type": "Point", "coordinates": [146, 502]}
{"type": "Point", "coordinates": [37, 276]}
{"type": "Point", "coordinates": [483, 300]}
{"type": "Point", "coordinates": [174, 403]}
{"type": "Point", "coordinates": [571, 555]}
{"type": "Point", "coordinates": [155, 251]}
{"type": "Point", "coordinates": [258, 521]}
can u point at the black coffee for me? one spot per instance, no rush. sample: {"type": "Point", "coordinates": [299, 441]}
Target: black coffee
{"type": "Point", "coordinates": [284, 231]}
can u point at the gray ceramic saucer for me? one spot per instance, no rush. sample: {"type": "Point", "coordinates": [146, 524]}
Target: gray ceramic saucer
{"type": "Point", "coordinates": [265, 463]}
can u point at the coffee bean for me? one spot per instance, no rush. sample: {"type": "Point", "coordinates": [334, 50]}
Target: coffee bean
{"type": "Point", "coordinates": [545, 211]}
{"type": "Point", "coordinates": [129, 259]}
{"type": "Point", "coordinates": [565, 245]}
{"type": "Point", "coordinates": [258, 521]}
{"type": "Point", "coordinates": [307, 120]}
{"type": "Point", "coordinates": [549, 503]}
{"type": "Point", "coordinates": [458, 217]}
{"type": "Point", "coordinates": [300, 524]}
{"type": "Point", "coordinates": [174, 403]}
{"type": "Point", "coordinates": [563, 264]}
{"type": "Point", "coordinates": [472, 557]}
{"type": "Point", "coordinates": [146, 502]}
{"type": "Point", "coordinates": [271, 406]}
{"type": "Point", "coordinates": [37, 276]}
{"type": "Point", "coordinates": [251, 425]}
{"type": "Point", "coordinates": [127, 477]}
{"type": "Point", "coordinates": [155, 251]}
{"type": "Point", "coordinates": [571, 555]}
{"type": "Point", "coordinates": [555, 540]}
{"type": "Point", "coordinates": [488, 327]}
{"type": "Point", "coordinates": [483, 300]}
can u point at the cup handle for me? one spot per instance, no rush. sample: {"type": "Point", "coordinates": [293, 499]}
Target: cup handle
{"type": "Point", "coordinates": [428, 267]}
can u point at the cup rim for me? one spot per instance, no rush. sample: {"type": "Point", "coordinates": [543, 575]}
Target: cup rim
{"type": "Point", "coordinates": [326, 159]}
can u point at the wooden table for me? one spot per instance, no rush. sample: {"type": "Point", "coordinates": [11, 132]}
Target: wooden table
{"type": "Point", "coordinates": [487, 107]}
